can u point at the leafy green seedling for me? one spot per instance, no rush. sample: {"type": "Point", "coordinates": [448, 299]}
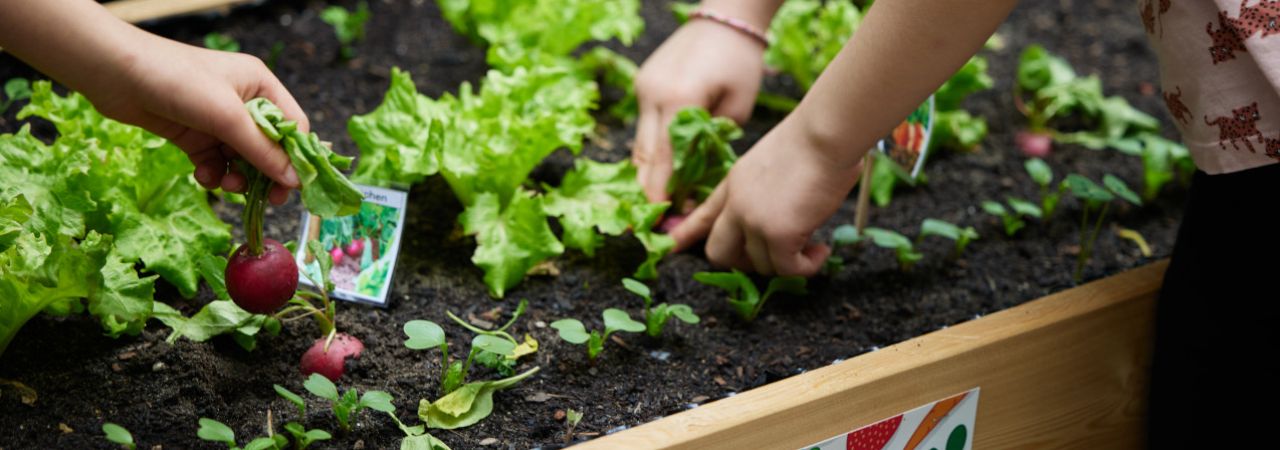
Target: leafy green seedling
{"type": "Point", "coordinates": [415, 437]}
{"type": "Point", "coordinates": [504, 361]}
{"type": "Point", "coordinates": [467, 405]}
{"type": "Point", "coordinates": [961, 236]}
{"type": "Point", "coordinates": [571, 419]}
{"type": "Point", "coordinates": [347, 25]}
{"type": "Point", "coordinates": [118, 435]}
{"type": "Point", "coordinates": [221, 41]}
{"type": "Point", "coordinates": [574, 332]}
{"type": "Point", "coordinates": [302, 437]}
{"type": "Point", "coordinates": [701, 153]}
{"type": "Point", "coordinates": [1024, 208]}
{"type": "Point", "coordinates": [907, 254]}
{"type": "Point", "coordinates": [15, 89]}
{"type": "Point", "coordinates": [292, 398]}
{"type": "Point", "coordinates": [655, 317]}
{"type": "Point", "coordinates": [1095, 200]}
{"type": "Point", "coordinates": [215, 431]}
{"type": "Point", "coordinates": [1012, 216]}
{"type": "Point", "coordinates": [743, 295]}
{"type": "Point", "coordinates": [425, 334]}
{"type": "Point", "coordinates": [846, 235]}
{"type": "Point", "coordinates": [346, 406]}
{"type": "Point", "coordinates": [1042, 174]}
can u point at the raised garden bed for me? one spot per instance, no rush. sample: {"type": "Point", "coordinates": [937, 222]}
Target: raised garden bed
{"type": "Point", "coordinates": [159, 391]}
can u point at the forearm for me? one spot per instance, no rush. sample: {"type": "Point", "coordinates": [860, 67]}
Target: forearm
{"type": "Point", "coordinates": [901, 53]}
{"type": "Point", "coordinates": [77, 42]}
{"type": "Point", "coordinates": [758, 13]}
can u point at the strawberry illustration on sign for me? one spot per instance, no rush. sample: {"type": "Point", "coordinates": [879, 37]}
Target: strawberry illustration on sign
{"type": "Point", "coordinates": [873, 437]}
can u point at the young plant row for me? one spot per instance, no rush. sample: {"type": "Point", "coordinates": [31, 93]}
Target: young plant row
{"type": "Point", "coordinates": [1095, 201]}
{"type": "Point", "coordinates": [1050, 94]}
{"type": "Point", "coordinates": [903, 247]}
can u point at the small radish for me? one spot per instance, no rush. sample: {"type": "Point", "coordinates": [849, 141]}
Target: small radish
{"type": "Point", "coordinates": [1034, 144]}
{"type": "Point", "coordinates": [336, 254]}
{"type": "Point", "coordinates": [262, 283]}
{"type": "Point", "coordinates": [355, 248]}
{"type": "Point", "coordinates": [331, 364]}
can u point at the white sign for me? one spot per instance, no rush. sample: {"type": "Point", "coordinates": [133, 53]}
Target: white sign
{"type": "Point", "coordinates": [946, 424]}
{"type": "Point", "coordinates": [364, 246]}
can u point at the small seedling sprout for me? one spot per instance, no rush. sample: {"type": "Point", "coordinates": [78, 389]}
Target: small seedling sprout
{"type": "Point", "coordinates": [1096, 201]}
{"type": "Point", "coordinates": [961, 236]}
{"type": "Point", "coordinates": [571, 419]}
{"type": "Point", "coordinates": [655, 317]}
{"type": "Point", "coordinates": [118, 435]}
{"type": "Point", "coordinates": [1042, 174]}
{"type": "Point", "coordinates": [348, 26]}
{"type": "Point", "coordinates": [901, 245]}
{"type": "Point", "coordinates": [346, 406]}
{"type": "Point", "coordinates": [574, 332]}
{"type": "Point", "coordinates": [744, 297]}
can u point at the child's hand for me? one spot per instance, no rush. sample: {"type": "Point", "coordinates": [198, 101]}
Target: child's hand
{"type": "Point", "coordinates": [761, 217]}
{"type": "Point", "coordinates": [195, 98]}
{"type": "Point", "coordinates": [703, 64]}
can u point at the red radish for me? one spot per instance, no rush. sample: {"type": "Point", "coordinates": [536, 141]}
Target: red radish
{"type": "Point", "coordinates": [331, 364]}
{"type": "Point", "coordinates": [355, 248]}
{"type": "Point", "coordinates": [262, 283]}
{"type": "Point", "coordinates": [1034, 144]}
{"type": "Point", "coordinates": [336, 254]}
{"type": "Point", "coordinates": [671, 222]}
{"type": "Point", "coordinates": [873, 437]}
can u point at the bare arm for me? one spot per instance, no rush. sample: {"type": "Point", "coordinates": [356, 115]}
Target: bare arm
{"type": "Point", "coordinates": [763, 215]}
{"type": "Point", "coordinates": [190, 95]}
{"type": "Point", "coordinates": [903, 51]}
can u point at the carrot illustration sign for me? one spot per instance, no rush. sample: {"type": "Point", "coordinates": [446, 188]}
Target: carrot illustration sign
{"type": "Point", "coordinates": [908, 144]}
{"type": "Point", "coordinates": [946, 424]}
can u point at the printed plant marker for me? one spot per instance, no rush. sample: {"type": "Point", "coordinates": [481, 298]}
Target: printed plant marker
{"type": "Point", "coordinates": [364, 246]}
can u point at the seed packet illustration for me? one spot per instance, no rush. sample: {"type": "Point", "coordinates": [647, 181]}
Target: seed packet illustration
{"type": "Point", "coordinates": [364, 246]}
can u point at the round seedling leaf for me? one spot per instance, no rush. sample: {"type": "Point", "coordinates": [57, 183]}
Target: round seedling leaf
{"type": "Point", "coordinates": [1024, 208]}
{"type": "Point", "coordinates": [1086, 189]}
{"type": "Point", "coordinates": [935, 227]}
{"type": "Point", "coordinates": [493, 344]}
{"type": "Point", "coordinates": [212, 430]}
{"type": "Point", "coordinates": [571, 330]}
{"type": "Point", "coordinates": [994, 208]}
{"type": "Point", "coordinates": [846, 235]}
{"type": "Point", "coordinates": [423, 334]}
{"type": "Point", "coordinates": [117, 434]}
{"type": "Point", "coordinates": [1117, 186]}
{"type": "Point", "coordinates": [618, 320]}
{"type": "Point", "coordinates": [636, 287]}
{"type": "Point", "coordinates": [321, 387]}
{"type": "Point", "coordinates": [886, 238]}
{"type": "Point", "coordinates": [378, 401]}
{"type": "Point", "coordinates": [684, 313]}
{"type": "Point", "coordinates": [1039, 171]}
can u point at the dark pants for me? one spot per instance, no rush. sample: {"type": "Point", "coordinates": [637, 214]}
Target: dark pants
{"type": "Point", "coordinates": [1217, 319]}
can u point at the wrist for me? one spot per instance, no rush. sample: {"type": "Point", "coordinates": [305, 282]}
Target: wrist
{"type": "Point", "coordinates": [757, 14]}
{"type": "Point", "coordinates": [742, 27]}
{"type": "Point", "coordinates": [842, 145]}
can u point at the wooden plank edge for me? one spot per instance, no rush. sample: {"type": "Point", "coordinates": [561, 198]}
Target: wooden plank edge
{"type": "Point", "coordinates": [789, 404]}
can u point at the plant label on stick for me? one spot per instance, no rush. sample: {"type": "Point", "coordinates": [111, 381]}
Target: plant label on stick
{"type": "Point", "coordinates": [945, 424]}
{"type": "Point", "coordinates": [364, 246]}
{"type": "Point", "coordinates": [908, 144]}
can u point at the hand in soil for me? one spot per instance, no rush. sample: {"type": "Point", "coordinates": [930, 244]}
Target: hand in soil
{"type": "Point", "coordinates": [762, 216]}
{"type": "Point", "coordinates": [703, 64]}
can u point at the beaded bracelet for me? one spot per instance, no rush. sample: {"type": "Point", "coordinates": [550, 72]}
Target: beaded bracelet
{"type": "Point", "coordinates": [731, 22]}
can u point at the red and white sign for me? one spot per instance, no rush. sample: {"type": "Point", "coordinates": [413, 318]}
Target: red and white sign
{"type": "Point", "coordinates": [946, 424]}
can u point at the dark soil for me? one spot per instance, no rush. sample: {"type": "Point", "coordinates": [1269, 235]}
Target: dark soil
{"type": "Point", "coordinates": [159, 391]}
